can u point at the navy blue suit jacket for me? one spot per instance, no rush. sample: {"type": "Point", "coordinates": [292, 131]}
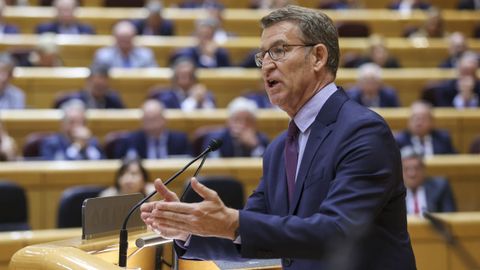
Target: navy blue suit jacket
{"type": "Point", "coordinates": [388, 96]}
{"type": "Point", "coordinates": [439, 195]}
{"type": "Point", "coordinates": [164, 29]}
{"type": "Point", "coordinates": [178, 144]}
{"type": "Point", "coordinates": [221, 56]}
{"type": "Point", "coordinates": [446, 92]}
{"type": "Point", "coordinates": [348, 210]}
{"type": "Point", "coordinates": [171, 100]}
{"type": "Point", "coordinates": [112, 100]}
{"type": "Point", "coordinates": [10, 29]}
{"type": "Point", "coordinates": [442, 143]}
{"type": "Point", "coordinates": [56, 146]}
{"type": "Point", "coordinates": [228, 148]}
{"type": "Point", "coordinates": [55, 28]}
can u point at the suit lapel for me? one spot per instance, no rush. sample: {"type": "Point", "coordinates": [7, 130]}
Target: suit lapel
{"type": "Point", "coordinates": [320, 129]}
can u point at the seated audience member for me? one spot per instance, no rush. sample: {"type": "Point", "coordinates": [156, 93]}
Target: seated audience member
{"type": "Point", "coordinates": [206, 53]}
{"type": "Point", "coordinates": [6, 28]}
{"type": "Point", "coordinates": [154, 24]}
{"type": "Point", "coordinates": [96, 93]}
{"type": "Point", "coordinates": [457, 45]}
{"type": "Point", "coordinates": [432, 194]}
{"type": "Point", "coordinates": [124, 53]}
{"type": "Point", "coordinates": [45, 53]}
{"type": "Point", "coordinates": [464, 90]}
{"type": "Point", "coordinates": [270, 4]}
{"type": "Point", "coordinates": [11, 97]}
{"type": "Point", "coordinates": [8, 147]}
{"type": "Point", "coordinates": [377, 52]}
{"type": "Point", "coordinates": [130, 178]}
{"type": "Point", "coordinates": [339, 4]}
{"type": "Point", "coordinates": [215, 12]}
{"type": "Point", "coordinates": [433, 27]}
{"type": "Point", "coordinates": [65, 22]}
{"type": "Point", "coordinates": [154, 140]}
{"type": "Point", "coordinates": [240, 137]}
{"type": "Point", "coordinates": [259, 96]}
{"type": "Point", "coordinates": [468, 4]}
{"type": "Point", "coordinates": [408, 5]}
{"type": "Point", "coordinates": [197, 3]}
{"type": "Point", "coordinates": [421, 133]}
{"type": "Point", "coordinates": [75, 141]}
{"type": "Point", "coordinates": [370, 90]}
{"type": "Point", "coordinates": [185, 92]}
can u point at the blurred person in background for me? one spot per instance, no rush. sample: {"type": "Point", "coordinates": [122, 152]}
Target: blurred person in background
{"type": "Point", "coordinates": [184, 92]}
{"type": "Point", "coordinates": [66, 21]}
{"type": "Point", "coordinates": [421, 133]}
{"type": "Point", "coordinates": [124, 53]}
{"type": "Point", "coordinates": [457, 45]}
{"type": "Point", "coordinates": [75, 140]}
{"type": "Point", "coordinates": [270, 4]}
{"type": "Point", "coordinates": [11, 97]}
{"type": "Point", "coordinates": [240, 137]}
{"type": "Point", "coordinates": [432, 194]}
{"type": "Point", "coordinates": [130, 178]}
{"type": "Point", "coordinates": [377, 52]}
{"type": "Point", "coordinates": [468, 4]}
{"type": "Point", "coordinates": [6, 28]}
{"type": "Point", "coordinates": [45, 53]}
{"type": "Point", "coordinates": [407, 6]}
{"type": "Point", "coordinates": [8, 146]}
{"type": "Point", "coordinates": [370, 90]}
{"type": "Point", "coordinates": [433, 27]}
{"type": "Point", "coordinates": [339, 4]}
{"type": "Point", "coordinates": [96, 93]}
{"type": "Point", "coordinates": [154, 24]}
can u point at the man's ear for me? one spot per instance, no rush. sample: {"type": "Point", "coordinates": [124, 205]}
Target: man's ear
{"type": "Point", "coordinates": [320, 54]}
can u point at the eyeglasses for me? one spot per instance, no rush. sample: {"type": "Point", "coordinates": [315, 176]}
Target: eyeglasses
{"type": "Point", "coordinates": [276, 52]}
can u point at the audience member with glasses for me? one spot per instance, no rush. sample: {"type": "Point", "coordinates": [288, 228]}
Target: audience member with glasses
{"type": "Point", "coordinates": [332, 184]}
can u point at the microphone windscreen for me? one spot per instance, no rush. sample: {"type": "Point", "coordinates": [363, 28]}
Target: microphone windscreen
{"type": "Point", "coordinates": [215, 144]}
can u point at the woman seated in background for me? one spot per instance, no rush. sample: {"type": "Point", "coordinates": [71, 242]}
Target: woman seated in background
{"type": "Point", "coordinates": [130, 178]}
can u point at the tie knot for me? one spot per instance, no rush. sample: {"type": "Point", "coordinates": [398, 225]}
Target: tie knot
{"type": "Point", "coordinates": [293, 130]}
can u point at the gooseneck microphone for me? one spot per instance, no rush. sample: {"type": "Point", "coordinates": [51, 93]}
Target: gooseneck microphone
{"type": "Point", "coordinates": [123, 244]}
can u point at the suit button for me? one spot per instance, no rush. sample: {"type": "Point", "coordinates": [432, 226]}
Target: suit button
{"type": "Point", "coordinates": [287, 261]}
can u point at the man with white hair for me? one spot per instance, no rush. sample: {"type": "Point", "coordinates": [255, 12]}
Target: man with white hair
{"type": "Point", "coordinates": [370, 90]}
{"type": "Point", "coordinates": [125, 53]}
{"type": "Point", "coordinates": [4, 27]}
{"type": "Point", "coordinates": [66, 21]}
{"type": "Point", "coordinates": [240, 136]}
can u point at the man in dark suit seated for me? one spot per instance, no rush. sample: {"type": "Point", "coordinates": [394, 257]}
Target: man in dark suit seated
{"type": "Point", "coordinates": [370, 90]}
{"type": "Point", "coordinates": [207, 53]}
{"type": "Point", "coordinates": [6, 28]}
{"type": "Point", "coordinates": [240, 137]}
{"type": "Point", "coordinates": [457, 45]}
{"type": "Point", "coordinates": [75, 141]}
{"type": "Point", "coordinates": [421, 133]}
{"type": "Point", "coordinates": [154, 23]}
{"type": "Point", "coordinates": [432, 194]}
{"type": "Point", "coordinates": [154, 140]}
{"type": "Point", "coordinates": [96, 93]}
{"type": "Point", "coordinates": [65, 23]}
{"type": "Point", "coordinates": [184, 92]}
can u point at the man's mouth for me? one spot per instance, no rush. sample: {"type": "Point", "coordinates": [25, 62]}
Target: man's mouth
{"type": "Point", "coordinates": [271, 83]}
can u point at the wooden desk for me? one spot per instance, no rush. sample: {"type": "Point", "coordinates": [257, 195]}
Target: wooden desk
{"type": "Point", "coordinates": [462, 124]}
{"type": "Point", "coordinates": [44, 181]}
{"type": "Point", "coordinates": [241, 22]}
{"type": "Point", "coordinates": [43, 85]}
{"type": "Point", "coordinates": [78, 50]}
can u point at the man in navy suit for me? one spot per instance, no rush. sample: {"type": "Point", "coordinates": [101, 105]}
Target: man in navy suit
{"type": "Point", "coordinates": [240, 138]}
{"type": "Point", "coordinates": [370, 90]}
{"type": "Point", "coordinates": [432, 194]}
{"type": "Point", "coordinates": [421, 133]}
{"type": "Point", "coordinates": [96, 93]}
{"type": "Point", "coordinates": [65, 23]}
{"type": "Point", "coordinates": [75, 141]}
{"type": "Point", "coordinates": [154, 24]}
{"type": "Point", "coordinates": [331, 195]}
{"type": "Point", "coordinates": [154, 140]}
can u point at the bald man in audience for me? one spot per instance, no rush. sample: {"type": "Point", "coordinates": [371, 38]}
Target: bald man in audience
{"type": "Point", "coordinates": [65, 22]}
{"type": "Point", "coordinates": [370, 90]}
{"type": "Point", "coordinates": [154, 140]}
{"type": "Point", "coordinates": [124, 53]}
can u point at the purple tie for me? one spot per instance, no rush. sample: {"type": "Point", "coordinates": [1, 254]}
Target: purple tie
{"type": "Point", "coordinates": [291, 157]}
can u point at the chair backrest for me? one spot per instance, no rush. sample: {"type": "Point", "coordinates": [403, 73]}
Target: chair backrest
{"type": "Point", "coordinates": [33, 142]}
{"type": "Point", "coordinates": [228, 188]}
{"type": "Point", "coordinates": [70, 207]}
{"type": "Point", "coordinates": [353, 29]}
{"type": "Point", "coordinates": [13, 207]}
{"type": "Point", "coordinates": [114, 144]}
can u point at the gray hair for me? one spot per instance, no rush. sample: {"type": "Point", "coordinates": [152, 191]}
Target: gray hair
{"type": "Point", "coordinates": [242, 104]}
{"type": "Point", "coordinates": [316, 27]}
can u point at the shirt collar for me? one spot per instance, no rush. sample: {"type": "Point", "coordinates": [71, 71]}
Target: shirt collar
{"type": "Point", "coordinates": [310, 110]}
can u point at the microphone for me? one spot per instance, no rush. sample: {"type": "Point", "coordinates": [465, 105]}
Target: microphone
{"type": "Point", "coordinates": [213, 145]}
